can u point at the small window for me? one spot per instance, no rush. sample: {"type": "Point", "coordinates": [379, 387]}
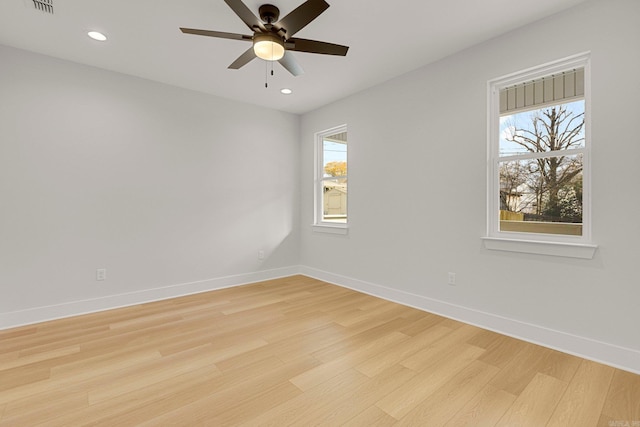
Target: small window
{"type": "Point", "coordinates": [539, 154]}
{"type": "Point", "coordinates": [331, 178]}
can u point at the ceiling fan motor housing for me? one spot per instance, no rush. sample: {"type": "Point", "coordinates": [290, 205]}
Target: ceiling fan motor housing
{"type": "Point", "coordinates": [269, 13]}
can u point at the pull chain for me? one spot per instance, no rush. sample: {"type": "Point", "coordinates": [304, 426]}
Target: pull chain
{"type": "Point", "coordinates": [271, 59]}
{"type": "Point", "coordinates": [266, 73]}
{"type": "Point", "coordinates": [266, 69]}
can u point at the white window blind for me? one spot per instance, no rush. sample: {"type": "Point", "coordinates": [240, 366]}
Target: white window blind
{"type": "Point", "coordinates": [338, 137]}
{"type": "Point", "coordinates": [555, 89]}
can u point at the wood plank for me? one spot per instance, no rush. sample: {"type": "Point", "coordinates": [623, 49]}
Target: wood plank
{"type": "Point", "coordinates": [309, 342]}
{"type": "Point", "coordinates": [451, 397]}
{"type": "Point", "coordinates": [623, 399]}
{"type": "Point", "coordinates": [582, 403]}
{"type": "Point", "coordinates": [298, 324]}
{"type": "Point", "coordinates": [501, 350]}
{"type": "Point", "coordinates": [394, 355]}
{"type": "Point", "coordinates": [370, 417]}
{"type": "Point", "coordinates": [261, 402]}
{"type": "Point", "coordinates": [21, 376]}
{"type": "Point", "coordinates": [321, 373]}
{"type": "Point", "coordinates": [366, 311]}
{"type": "Point", "coordinates": [43, 406]}
{"type": "Point", "coordinates": [19, 332]}
{"type": "Point", "coordinates": [358, 337]}
{"type": "Point", "coordinates": [441, 348]}
{"type": "Point", "coordinates": [289, 348]}
{"type": "Point", "coordinates": [139, 377]}
{"type": "Point", "coordinates": [527, 361]}
{"type": "Point", "coordinates": [91, 366]}
{"type": "Point", "coordinates": [534, 406]}
{"type": "Point", "coordinates": [40, 357]}
{"type": "Point", "coordinates": [485, 409]}
{"type": "Point", "coordinates": [49, 340]}
{"type": "Point", "coordinates": [365, 396]}
{"type": "Point", "coordinates": [8, 357]}
{"type": "Point", "coordinates": [401, 401]}
{"type": "Point", "coordinates": [424, 322]}
{"type": "Point", "coordinates": [246, 393]}
{"type": "Point", "coordinates": [304, 409]}
{"type": "Point", "coordinates": [140, 404]}
{"type": "Point", "coordinates": [185, 396]}
{"type": "Point", "coordinates": [78, 380]}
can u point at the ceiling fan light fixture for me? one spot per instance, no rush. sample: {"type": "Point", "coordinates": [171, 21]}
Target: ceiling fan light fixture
{"type": "Point", "coordinates": [268, 47]}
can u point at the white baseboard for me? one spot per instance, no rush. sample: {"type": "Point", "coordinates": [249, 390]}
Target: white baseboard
{"type": "Point", "coordinates": [608, 354]}
{"type": "Point", "coordinates": [75, 308]}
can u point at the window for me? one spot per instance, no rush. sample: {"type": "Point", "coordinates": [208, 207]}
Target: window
{"type": "Point", "coordinates": [331, 180]}
{"type": "Point", "coordinates": [539, 160]}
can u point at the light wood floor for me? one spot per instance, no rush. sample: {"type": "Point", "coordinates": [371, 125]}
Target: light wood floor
{"type": "Point", "coordinates": [296, 351]}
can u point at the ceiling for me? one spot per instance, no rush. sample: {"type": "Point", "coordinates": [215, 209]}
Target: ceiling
{"type": "Point", "coordinates": [386, 39]}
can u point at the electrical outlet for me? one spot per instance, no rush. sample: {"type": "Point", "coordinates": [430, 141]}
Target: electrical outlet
{"type": "Point", "coordinates": [101, 274]}
{"type": "Point", "coordinates": [261, 255]}
{"type": "Point", "coordinates": [451, 280]}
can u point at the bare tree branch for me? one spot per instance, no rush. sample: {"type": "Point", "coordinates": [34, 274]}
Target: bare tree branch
{"type": "Point", "coordinates": [550, 129]}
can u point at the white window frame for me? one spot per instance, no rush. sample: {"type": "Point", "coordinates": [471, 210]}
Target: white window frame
{"type": "Point", "coordinates": [537, 243]}
{"type": "Point", "coordinates": [318, 224]}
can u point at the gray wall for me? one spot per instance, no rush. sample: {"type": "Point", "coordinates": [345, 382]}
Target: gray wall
{"type": "Point", "coordinates": [159, 185]}
{"type": "Point", "coordinates": [419, 142]}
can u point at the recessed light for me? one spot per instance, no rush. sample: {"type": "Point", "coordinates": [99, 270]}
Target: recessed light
{"type": "Point", "coordinates": [97, 36]}
{"type": "Point", "coordinates": [286, 91]}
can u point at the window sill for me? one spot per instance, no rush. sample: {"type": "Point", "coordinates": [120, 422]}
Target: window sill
{"type": "Point", "coordinates": [331, 228]}
{"type": "Point", "coordinates": [569, 250]}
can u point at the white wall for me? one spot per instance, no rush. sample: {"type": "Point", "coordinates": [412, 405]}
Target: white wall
{"type": "Point", "coordinates": [159, 185]}
{"type": "Point", "coordinates": [420, 141]}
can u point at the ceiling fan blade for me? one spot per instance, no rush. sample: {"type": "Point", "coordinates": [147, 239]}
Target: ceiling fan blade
{"type": "Point", "coordinates": [244, 13]}
{"type": "Point", "coordinates": [313, 46]}
{"type": "Point", "coordinates": [288, 61]}
{"type": "Point", "coordinates": [243, 59]}
{"type": "Point", "coordinates": [218, 34]}
{"type": "Point", "coordinates": [298, 18]}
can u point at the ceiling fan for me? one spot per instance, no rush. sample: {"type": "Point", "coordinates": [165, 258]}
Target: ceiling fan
{"type": "Point", "coordinates": [273, 38]}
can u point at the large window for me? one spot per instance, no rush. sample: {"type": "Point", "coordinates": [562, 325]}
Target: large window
{"type": "Point", "coordinates": [331, 178]}
{"type": "Point", "coordinates": [539, 154]}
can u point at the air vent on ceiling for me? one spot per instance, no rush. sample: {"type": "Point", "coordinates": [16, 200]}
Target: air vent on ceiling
{"type": "Point", "coordinates": [44, 5]}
